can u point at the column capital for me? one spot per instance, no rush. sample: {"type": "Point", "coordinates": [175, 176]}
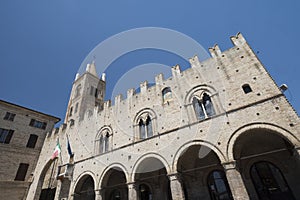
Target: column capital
{"type": "Point", "coordinates": [229, 165]}
{"type": "Point", "coordinates": [131, 185]}
{"type": "Point", "coordinates": [174, 176]}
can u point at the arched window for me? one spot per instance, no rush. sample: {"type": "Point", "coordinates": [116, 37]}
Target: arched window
{"type": "Point", "coordinates": [103, 140]}
{"type": "Point", "coordinates": [269, 181]}
{"type": "Point", "coordinates": [145, 128]}
{"type": "Point", "coordinates": [145, 192]}
{"type": "Point", "coordinates": [167, 94]}
{"type": "Point", "coordinates": [218, 186]}
{"type": "Point", "coordinates": [85, 189]}
{"type": "Point", "coordinates": [203, 107]}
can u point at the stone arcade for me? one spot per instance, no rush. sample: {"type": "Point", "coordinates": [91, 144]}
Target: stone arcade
{"type": "Point", "coordinates": [221, 129]}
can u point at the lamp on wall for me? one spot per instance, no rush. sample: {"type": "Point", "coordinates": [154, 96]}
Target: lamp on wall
{"type": "Point", "coordinates": [283, 87]}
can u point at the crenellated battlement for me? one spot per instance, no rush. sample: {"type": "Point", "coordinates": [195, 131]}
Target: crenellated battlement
{"type": "Point", "coordinates": [238, 40]}
{"type": "Point", "coordinates": [200, 72]}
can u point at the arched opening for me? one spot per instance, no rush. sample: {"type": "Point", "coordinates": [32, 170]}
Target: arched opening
{"type": "Point", "coordinates": [47, 182]}
{"type": "Point", "coordinates": [268, 165]}
{"type": "Point", "coordinates": [85, 189]}
{"type": "Point", "coordinates": [269, 181]}
{"type": "Point", "coordinates": [202, 174]}
{"type": "Point", "coordinates": [114, 185]}
{"type": "Point", "coordinates": [152, 181]}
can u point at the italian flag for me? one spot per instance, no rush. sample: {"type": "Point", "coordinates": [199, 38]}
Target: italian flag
{"type": "Point", "coordinates": [57, 151]}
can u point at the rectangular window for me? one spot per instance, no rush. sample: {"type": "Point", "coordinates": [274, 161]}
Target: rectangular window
{"type": "Point", "coordinates": [38, 124]}
{"type": "Point", "coordinates": [92, 91]}
{"type": "Point", "coordinates": [9, 116]}
{"type": "Point", "coordinates": [21, 173]}
{"type": "Point", "coordinates": [32, 141]}
{"type": "Point", "coordinates": [5, 135]}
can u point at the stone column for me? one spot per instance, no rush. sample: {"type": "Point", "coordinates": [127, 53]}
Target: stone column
{"type": "Point", "coordinates": [98, 194]}
{"type": "Point", "coordinates": [235, 181]}
{"type": "Point", "coordinates": [132, 193]}
{"type": "Point", "coordinates": [176, 186]}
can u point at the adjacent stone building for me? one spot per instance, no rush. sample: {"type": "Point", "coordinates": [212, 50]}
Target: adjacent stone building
{"type": "Point", "coordinates": [221, 129]}
{"type": "Point", "coordinates": [22, 134]}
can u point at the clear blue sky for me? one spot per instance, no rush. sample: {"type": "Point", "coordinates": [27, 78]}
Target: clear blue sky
{"type": "Point", "coordinates": [43, 43]}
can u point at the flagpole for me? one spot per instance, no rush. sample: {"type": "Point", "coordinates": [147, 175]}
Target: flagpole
{"type": "Point", "coordinates": [61, 160]}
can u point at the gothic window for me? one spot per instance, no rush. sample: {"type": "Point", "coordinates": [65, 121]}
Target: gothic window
{"type": "Point", "coordinates": [246, 88]}
{"type": "Point", "coordinates": [103, 141]}
{"type": "Point", "coordinates": [218, 186]}
{"type": "Point", "coordinates": [269, 181]}
{"type": "Point", "coordinates": [167, 94]}
{"type": "Point", "coordinates": [145, 128]}
{"type": "Point", "coordinates": [203, 107]}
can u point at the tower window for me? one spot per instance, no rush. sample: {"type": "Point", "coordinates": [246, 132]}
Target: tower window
{"type": "Point", "coordinates": [203, 107]}
{"type": "Point", "coordinates": [9, 116]}
{"type": "Point", "coordinates": [94, 92]}
{"type": "Point", "coordinates": [21, 173]}
{"type": "Point", "coordinates": [76, 108]}
{"type": "Point", "coordinates": [246, 88]}
{"type": "Point", "coordinates": [5, 135]}
{"type": "Point", "coordinates": [71, 111]}
{"type": "Point", "coordinates": [32, 141]}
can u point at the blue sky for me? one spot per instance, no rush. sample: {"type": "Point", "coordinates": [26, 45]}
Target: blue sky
{"type": "Point", "coordinates": [43, 43]}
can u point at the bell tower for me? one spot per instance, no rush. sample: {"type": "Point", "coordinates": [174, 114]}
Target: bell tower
{"type": "Point", "coordinates": [88, 91]}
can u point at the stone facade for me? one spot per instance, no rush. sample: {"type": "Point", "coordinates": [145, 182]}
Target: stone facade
{"type": "Point", "coordinates": [221, 129]}
{"type": "Point", "coordinates": [21, 141]}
